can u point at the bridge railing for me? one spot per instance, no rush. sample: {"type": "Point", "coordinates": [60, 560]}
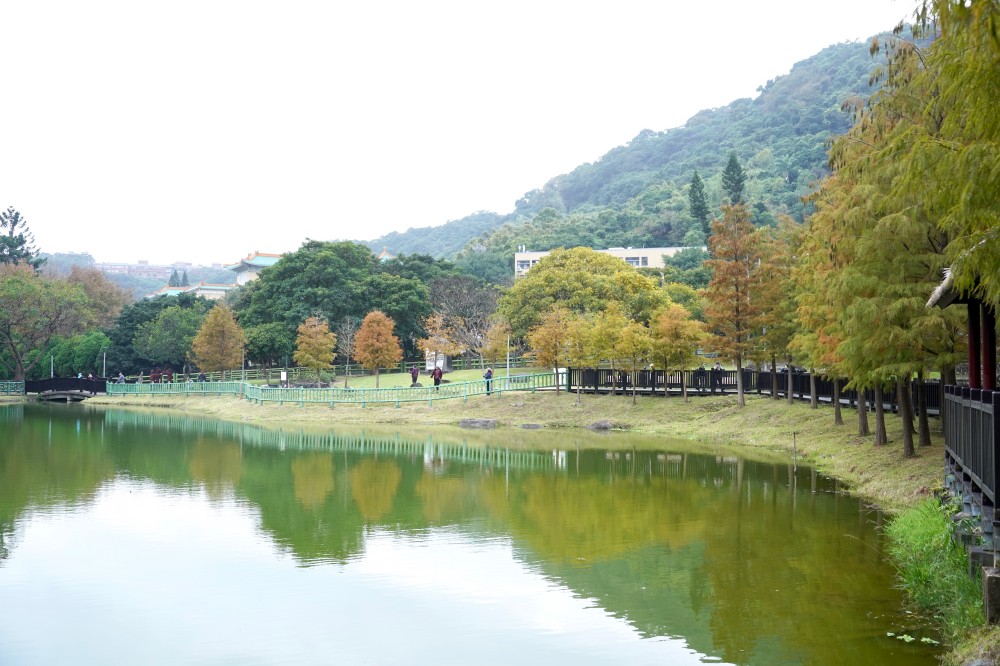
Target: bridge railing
{"type": "Point", "coordinates": [92, 386]}
{"type": "Point", "coordinates": [11, 387]}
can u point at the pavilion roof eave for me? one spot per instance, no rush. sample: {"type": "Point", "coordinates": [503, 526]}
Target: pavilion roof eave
{"type": "Point", "coordinates": [945, 293]}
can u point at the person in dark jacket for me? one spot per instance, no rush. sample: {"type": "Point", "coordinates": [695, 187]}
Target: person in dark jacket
{"type": "Point", "coordinates": [716, 377]}
{"type": "Point", "coordinates": [436, 376]}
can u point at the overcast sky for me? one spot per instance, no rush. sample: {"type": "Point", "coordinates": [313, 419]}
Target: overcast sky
{"type": "Point", "coordinates": [202, 131]}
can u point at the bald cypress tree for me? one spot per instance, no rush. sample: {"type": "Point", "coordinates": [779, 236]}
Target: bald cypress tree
{"type": "Point", "coordinates": [733, 309]}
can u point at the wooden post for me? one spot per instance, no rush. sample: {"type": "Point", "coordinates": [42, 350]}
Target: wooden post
{"type": "Point", "coordinates": [989, 342]}
{"type": "Point", "coordinates": [975, 345]}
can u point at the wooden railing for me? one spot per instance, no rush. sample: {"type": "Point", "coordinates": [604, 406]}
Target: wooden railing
{"type": "Point", "coordinates": [660, 382]}
{"type": "Point", "coordinates": [971, 437]}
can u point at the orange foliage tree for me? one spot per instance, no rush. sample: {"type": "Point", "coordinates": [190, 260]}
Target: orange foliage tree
{"type": "Point", "coordinates": [375, 346]}
{"type": "Point", "coordinates": [733, 309]}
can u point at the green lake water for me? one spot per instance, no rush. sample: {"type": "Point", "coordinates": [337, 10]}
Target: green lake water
{"type": "Point", "coordinates": [130, 537]}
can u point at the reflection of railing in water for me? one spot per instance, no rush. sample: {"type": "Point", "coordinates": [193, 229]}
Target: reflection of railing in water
{"type": "Point", "coordinates": [360, 443]}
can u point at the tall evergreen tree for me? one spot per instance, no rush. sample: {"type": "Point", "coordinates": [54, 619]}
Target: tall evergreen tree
{"type": "Point", "coordinates": [175, 280]}
{"type": "Point", "coordinates": [699, 203]}
{"type": "Point", "coordinates": [184, 280]}
{"type": "Point", "coordinates": [734, 179]}
{"type": "Point", "coordinates": [16, 241]}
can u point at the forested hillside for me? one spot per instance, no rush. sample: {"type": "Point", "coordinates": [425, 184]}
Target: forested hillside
{"type": "Point", "coordinates": [636, 194]}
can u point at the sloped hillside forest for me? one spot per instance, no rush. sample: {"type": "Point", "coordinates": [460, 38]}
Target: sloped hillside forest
{"type": "Point", "coordinates": [637, 194]}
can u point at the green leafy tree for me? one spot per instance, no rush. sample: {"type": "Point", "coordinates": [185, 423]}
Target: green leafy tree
{"type": "Point", "coordinates": [220, 342]}
{"type": "Point", "coordinates": [375, 346]}
{"type": "Point", "coordinates": [270, 344]}
{"type": "Point", "coordinates": [79, 353]}
{"type": "Point", "coordinates": [583, 281]}
{"type": "Point", "coordinates": [167, 339]}
{"type": "Point", "coordinates": [184, 280]}
{"type": "Point", "coordinates": [17, 241]}
{"type": "Point", "coordinates": [123, 354]}
{"type": "Point", "coordinates": [315, 346]}
{"type": "Point", "coordinates": [34, 311]}
{"type": "Point", "coordinates": [175, 280]}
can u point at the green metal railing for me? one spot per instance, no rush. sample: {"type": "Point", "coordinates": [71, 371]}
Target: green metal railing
{"type": "Point", "coordinates": [178, 388]}
{"type": "Point", "coordinates": [343, 396]}
{"type": "Point", "coordinates": [398, 394]}
{"type": "Point", "coordinates": [11, 388]}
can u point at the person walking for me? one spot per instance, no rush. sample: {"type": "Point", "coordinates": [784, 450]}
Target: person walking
{"type": "Point", "coordinates": [414, 374]}
{"type": "Point", "coordinates": [717, 377]}
{"type": "Point", "coordinates": [436, 376]}
{"type": "Point", "coordinates": [488, 376]}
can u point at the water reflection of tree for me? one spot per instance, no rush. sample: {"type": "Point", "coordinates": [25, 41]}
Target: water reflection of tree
{"type": "Point", "coordinates": [217, 465]}
{"type": "Point", "coordinates": [373, 485]}
{"type": "Point", "coordinates": [312, 476]}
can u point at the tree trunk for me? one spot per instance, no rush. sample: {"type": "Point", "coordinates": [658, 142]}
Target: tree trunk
{"type": "Point", "coordinates": [774, 376]}
{"type": "Point", "coordinates": [684, 388]}
{"type": "Point", "coordinates": [924, 422]}
{"type": "Point", "coordinates": [740, 399]}
{"type": "Point", "coordinates": [634, 382]}
{"type": "Point", "coordinates": [376, 377]}
{"type": "Point", "coordinates": [906, 413]}
{"type": "Point", "coordinates": [880, 435]}
{"type": "Point", "coordinates": [813, 398]}
{"type": "Point", "coordinates": [862, 406]}
{"type": "Point", "coordinates": [788, 385]}
{"type": "Point", "coordinates": [838, 418]}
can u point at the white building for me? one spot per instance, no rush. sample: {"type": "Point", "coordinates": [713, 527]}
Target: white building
{"type": "Point", "coordinates": [640, 257]}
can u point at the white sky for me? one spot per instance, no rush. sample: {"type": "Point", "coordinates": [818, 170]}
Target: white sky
{"type": "Point", "coordinates": [204, 130]}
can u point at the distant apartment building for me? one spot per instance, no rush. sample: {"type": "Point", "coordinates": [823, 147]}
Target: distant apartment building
{"type": "Point", "coordinates": [640, 257]}
{"type": "Point", "coordinates": [143, 269]}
